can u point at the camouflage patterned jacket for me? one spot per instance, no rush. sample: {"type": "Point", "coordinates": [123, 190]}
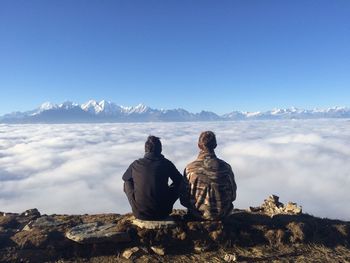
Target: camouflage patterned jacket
{"type": "Point", "coordinates": [209, 187]}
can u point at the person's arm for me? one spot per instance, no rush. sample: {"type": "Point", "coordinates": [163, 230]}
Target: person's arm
{"type": "Point", "coordinates": [128, 182]}
{"type": "Point", "coordinates": [185, 191]}
{"type": "Point", "coordinates": [233, 183]}
{"type": "Point", "coordinates": [175, 177]}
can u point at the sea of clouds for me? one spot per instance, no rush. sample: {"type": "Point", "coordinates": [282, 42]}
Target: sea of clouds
{"type": "Point", "coordinates": [77, 168]}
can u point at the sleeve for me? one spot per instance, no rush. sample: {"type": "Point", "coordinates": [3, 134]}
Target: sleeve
{"type": "Point", "coordinates": [127, 176]}
{"type": "Point", "coordinates": [128, 182]}
{"type": "Point", "coordinates": [233, 183]}
{"type": "Point", "coordinates": [185, 191]}
{"type": "Point", "coordinates": [176, 177]}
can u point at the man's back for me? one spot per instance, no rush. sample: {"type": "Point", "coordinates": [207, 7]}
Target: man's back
{"type": "Point", "coordinates": [150, 176]}
{"type": "Point", "coordinates": [146, 186]}
{"type": "Point", "coordinates": [211, 187]}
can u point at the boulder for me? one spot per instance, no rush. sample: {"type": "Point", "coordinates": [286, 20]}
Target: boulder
{"type": "Point", "coordinates": [272, 206]}
{"type": "Point", "coordinates": [30, 240]}
{"type": "Point", "coordinates": [42, 223]}
{"type": "Point", "coordinates": [31, 212]}
{"type": "Point", "coordinates": [92, 233]}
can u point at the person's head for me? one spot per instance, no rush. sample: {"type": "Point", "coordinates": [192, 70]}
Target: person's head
{"type": "Point", "coordinates": [153, 145]}
{"type": "Point", "coordinates": [207, 141]}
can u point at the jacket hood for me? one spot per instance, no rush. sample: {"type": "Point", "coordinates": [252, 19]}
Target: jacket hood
{"type": "Point", "coordinates": [206, 154]}
{"type": "Point", "coordinates": [154, 156]}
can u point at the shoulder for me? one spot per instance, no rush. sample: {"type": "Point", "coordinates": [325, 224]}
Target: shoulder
{"type": "Point", "coordinates": [139, 161]}
{"type": "Point", "coordinates": [194, 163]}
{"type": "Point", "coordinates": [223, 163]}
{"type": "Point", "coordinates": [193, 166]}
{"type": "Point", "coordinates": [167, 162]}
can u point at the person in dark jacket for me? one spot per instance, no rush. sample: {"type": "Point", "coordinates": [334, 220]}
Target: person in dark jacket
{"type": "Point", "coordinates": [146, 183]}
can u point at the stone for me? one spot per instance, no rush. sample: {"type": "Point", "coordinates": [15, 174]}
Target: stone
{"type": "Point", "coordinates": [31, 239]}
{"type": "Point", "coordinates": [42, 223]}
{"type": "Point", "coordinates": [92, 233]}
{"type": "Point", "coordinates": [272, 206]}
{"type": "Point", "coordinates": [200, 249]}
{"type": "Point", "coordinates": [216, 235]}
{"type": "Point", "coordinates": [200, 246]}
{"type": "Point", "coordinates": [158, 250]}
{"type": "Point", "coordinates": [128, 253]}
{"type": "Point", "coordinates": [31, 212]}
{"type": "Point", "coordinates": [178, 233]}
{"type": "Point", "coordinates": [275, 236]}
{"type": "Point", "coordinates": [8, 214]}
{"type": "Point", "coordinates": [230, 257]}
{"type": "Point", "coordinates": [148, 224]}
{"type": "Point", "coordinates": [293, 208]}
{"type": "Point", "coordinates": [9, 221]}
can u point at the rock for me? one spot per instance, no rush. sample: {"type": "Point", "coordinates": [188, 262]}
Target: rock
{"type": "Point", "coordinates": [201, 246]}
{"type": "Point", "coordinates": [31, 212]}
{"type": "Point", "coordinates": [200, 249]}
{"type": "Point", "coordinates": [275, 236]}
{"type": "Point", "coordinates": [42, 223]}
{"type": "Point", "coordinates": [179, 233]}
{"type": "Point", "coordinates": [216, 235]}
{"type": "Point", "coordinates": [128, 253]}
{"type": "Point", "coordinates": [293, 208]}
{"type": "Point", "coordinates": [8, 214]}
{"type": "Point", "coordinates": [31, 239]}
{"type": "Point", "coordinates": [230, 257]}
{"type": "Point", "coordinates": [154, 224]}
{"type": "Point", "coordinates": [92, 233]}
{"type": "Point", "coordinates": [158, 250]}
{"type": "Point", "coordinates": [52, 238]}
{"type": "Point", "coordinates": [9, 221]}
{"type": "Point", "coordinates": [272, 206]}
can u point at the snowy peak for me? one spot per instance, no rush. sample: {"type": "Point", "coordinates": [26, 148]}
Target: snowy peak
{"type": "Point", "coordinates": [291, 113]}
{"type": "Point", "coordinates": [140, 108]}
{"type": "Point", "coordinates": [107, 111]}
{"type": "Point", "coordinates": [47, 106]}
{"type": "Point", "coordinates": [67, 105]}
{"type": "Point", "coordinates": [102, 107]}
{"type": "Point", "coordinates": [91, 106]}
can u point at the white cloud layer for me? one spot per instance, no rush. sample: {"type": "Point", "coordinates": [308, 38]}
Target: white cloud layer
{"type": "Point", "coordinates": [77, 168]}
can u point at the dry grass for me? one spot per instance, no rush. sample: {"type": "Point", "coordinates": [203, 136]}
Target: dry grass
{"type": "Point", "coordinates": [260, 254]}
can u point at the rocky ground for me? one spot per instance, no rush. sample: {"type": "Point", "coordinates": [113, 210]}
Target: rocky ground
{"type": "Point", "coordinates": [272, 232]}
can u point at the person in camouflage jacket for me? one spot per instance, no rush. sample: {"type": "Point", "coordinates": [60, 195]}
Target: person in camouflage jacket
{"type": "Point", "coordinates": [209, 186]}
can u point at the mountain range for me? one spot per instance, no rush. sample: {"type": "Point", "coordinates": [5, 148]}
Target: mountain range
{"type": "Point", "coordinates": [106, 111]}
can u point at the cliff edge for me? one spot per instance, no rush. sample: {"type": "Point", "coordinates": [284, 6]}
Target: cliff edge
{"type": "Point", "coordinates": [272, 232]}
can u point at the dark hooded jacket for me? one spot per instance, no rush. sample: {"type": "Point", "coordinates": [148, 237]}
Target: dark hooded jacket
{"type": "Point", "coordinates": [146, 186]}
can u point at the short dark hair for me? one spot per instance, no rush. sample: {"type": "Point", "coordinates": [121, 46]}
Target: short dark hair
{"type": "Point", "coordinates": [207, 141]}
{"type": "Point", "coordinates": [153, 145]}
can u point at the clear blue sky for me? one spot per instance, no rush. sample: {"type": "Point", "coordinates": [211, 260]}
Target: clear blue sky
{"type": "Point", "coordinates": [212, 55]}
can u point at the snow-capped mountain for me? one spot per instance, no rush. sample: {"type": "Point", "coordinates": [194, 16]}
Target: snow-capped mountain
{"type": "Point", "coordinates": [106, 111]}
{"type": "Point", "coordinates": [102, 107]}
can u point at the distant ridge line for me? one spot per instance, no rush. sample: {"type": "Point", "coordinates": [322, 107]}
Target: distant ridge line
{"type": "Point", "coordinates": [107, 111]}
